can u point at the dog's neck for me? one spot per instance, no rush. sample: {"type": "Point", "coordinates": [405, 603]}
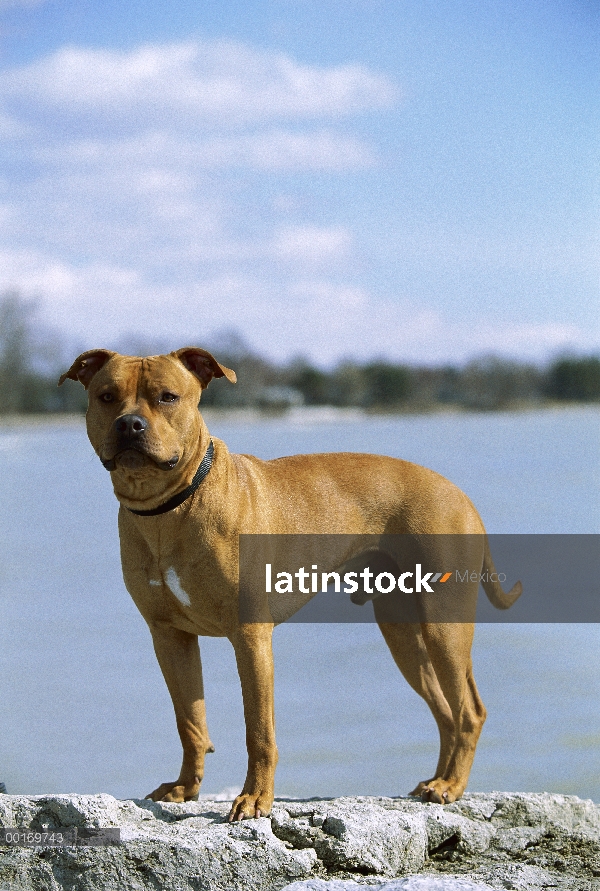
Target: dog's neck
{"type": "Point", "coordinates": [180, 497]}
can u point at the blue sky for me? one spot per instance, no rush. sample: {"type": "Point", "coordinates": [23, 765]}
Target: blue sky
{"type": "Point", "coordinates": [411, 180]}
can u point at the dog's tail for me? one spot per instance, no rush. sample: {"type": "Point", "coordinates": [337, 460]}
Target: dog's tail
{"type": "Point", "coordinates": [492, 586]}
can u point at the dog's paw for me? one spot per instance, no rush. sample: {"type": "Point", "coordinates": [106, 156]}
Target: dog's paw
{"type": "Point", "coordinates": [420, 787]}
{"type": "Point", "coordinates": [176, 791]}
{"type": "Point", "coordinates": [441, 791]}
{"type": "Point", "coordinates": [247, 806]}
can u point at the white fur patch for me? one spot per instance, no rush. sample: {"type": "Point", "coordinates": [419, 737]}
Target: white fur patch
{"type": "Point", "coordinates": [155, 582]}
{"type": "Point", "coordinates": [172, 580]}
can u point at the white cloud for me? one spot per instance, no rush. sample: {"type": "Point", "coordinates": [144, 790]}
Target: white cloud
{"type": "Point", "coordinates": [281, 150]}
{"type": "Point", "coordinates": [312, 245]}
{"type": "Point", "coordinates": [217, 82]}
{"type": "Point", "coordinates": [524, 340]}
{"type": "Point", "coordinates": [62, 283]}
{"type": "Point", "coordinates": [120, 153]}
{"type": "Point", "coordinates": [11, 128]}
{"type": "Point", "coordinates": [337, 323]}
{"type": "Point", "coordinates": [268, 150]}
{"type": "Point", "coordinates": [326, 321]}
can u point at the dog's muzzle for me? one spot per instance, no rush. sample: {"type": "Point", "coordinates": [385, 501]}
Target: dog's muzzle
{"type": "Point", "coordinates": [130, 435]}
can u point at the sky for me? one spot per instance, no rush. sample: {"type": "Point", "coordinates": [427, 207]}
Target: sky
{"type": "Point", "coordinates": [413, 180]}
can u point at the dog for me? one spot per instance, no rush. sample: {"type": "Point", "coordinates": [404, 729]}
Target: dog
{"type": "Point", "coordinates": [184, 502]}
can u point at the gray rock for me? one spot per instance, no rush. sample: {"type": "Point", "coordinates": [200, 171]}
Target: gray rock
{"type": "Point", "coordinates": [485, 841]}
{"type": "Point", "coordinates": [355, 835]}
{"type": "Point", "coordinates": [412, 883]}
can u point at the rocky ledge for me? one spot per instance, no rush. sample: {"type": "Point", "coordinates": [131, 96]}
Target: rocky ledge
{"type": "Point", "coordinates": [485, 841]}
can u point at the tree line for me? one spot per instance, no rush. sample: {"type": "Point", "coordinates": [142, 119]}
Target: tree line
{"type": "Point", "coordinates": [31, 360]}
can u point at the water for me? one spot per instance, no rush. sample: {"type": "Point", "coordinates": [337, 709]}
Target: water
{"type": "Point", "coordinates": [84, 706]}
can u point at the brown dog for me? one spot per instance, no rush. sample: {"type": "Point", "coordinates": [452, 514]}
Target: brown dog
{"type": "Point", "coordinates": [182, 511]}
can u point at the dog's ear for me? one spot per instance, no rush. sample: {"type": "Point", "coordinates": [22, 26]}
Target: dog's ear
{"type": "Point", "coordinates": [85, 366]}
{"type": "Point", "coordinates": [203, 365]}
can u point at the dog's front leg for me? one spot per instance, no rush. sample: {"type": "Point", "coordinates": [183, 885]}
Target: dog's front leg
{"type": "Point", "coordinates": [254, 656]}
{"type": "Point", "coordinates": [178, 655]}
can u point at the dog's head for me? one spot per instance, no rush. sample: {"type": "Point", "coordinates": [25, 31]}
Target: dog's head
{"type": "Point", "coordinates": [142, 416]}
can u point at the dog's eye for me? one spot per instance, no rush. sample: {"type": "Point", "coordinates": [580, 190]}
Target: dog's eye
{"type": "Point", "coordinates": [168, 397]}
{"type": "Point", "coordinates": [106, 397]}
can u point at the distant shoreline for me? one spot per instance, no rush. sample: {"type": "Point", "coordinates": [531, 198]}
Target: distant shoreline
{"type": "Point", "coordinates": [311, 413]}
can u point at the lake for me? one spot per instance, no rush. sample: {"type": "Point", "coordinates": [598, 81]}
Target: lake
{"type": "Point", "coordinates": [85, 708]}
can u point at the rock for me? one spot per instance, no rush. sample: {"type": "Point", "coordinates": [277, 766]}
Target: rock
{"type": "Point", "coordinates": [485, 841]}
{"type": "Point", "coordinates": [412, 883]}
{"type": "Point", "coordinates": [354, 835]}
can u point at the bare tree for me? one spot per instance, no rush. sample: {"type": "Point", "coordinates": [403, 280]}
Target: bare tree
{"type": "Point", "coordinates": [17, 318]}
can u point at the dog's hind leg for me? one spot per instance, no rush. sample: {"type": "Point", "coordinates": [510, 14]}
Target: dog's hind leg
{"type": "Point", "coordinates": [449, 648]}
{"type": "Point", "coordinates": [410, 654]}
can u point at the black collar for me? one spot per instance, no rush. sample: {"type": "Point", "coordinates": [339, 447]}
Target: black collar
{"type": "Point", "coordinates": [180, 497]}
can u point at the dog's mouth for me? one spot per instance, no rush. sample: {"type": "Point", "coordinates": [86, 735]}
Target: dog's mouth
{"type": "Point", "coordinates": [134, 459]}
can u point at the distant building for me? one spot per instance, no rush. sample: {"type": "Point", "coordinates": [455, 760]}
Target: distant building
{"type": "Point", "coordinates": [279, 398]}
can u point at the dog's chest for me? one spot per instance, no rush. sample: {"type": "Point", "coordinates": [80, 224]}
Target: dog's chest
{"type": "Point", "coordinates": [175, 579]}
{"type": "Point", "coordinates": [178, 595]}
{"type": "Point", "coordinates": [171, 580]}
{"type": "Point", "coordinates": [180, 579]}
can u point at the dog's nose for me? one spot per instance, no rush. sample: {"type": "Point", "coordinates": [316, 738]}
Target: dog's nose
{"type": "Point", "coordinates": [131, 426]}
